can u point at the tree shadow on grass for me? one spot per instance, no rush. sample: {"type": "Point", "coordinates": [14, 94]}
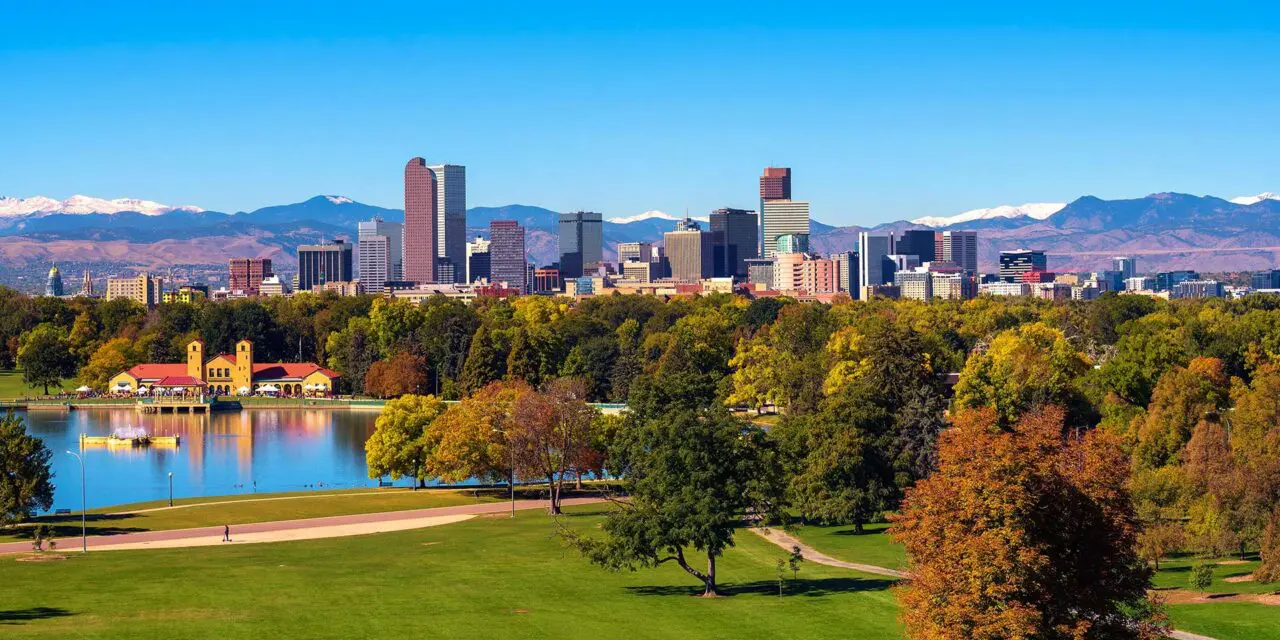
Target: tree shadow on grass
{"type": "Point", "coordinates": [865, 532]}
{"type": "Point", "coordinates": [19, 616]}
{"type": "Point", "coordinates": [793, 587]}
{"type": "Point", "coordinates": [101, 524]}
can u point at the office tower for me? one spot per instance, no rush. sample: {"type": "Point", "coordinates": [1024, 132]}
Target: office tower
{"type": "Point", "coordinates": [781, 217]}
{"type": "Point", "coordinates": [323, 263]}
{"type": "Point", "coordinates": [760, 271]}
{"type": "Point", "coordinates": [818, 276]}
{"type": "Point", "coordinates": [381, 248]}
{"type": "Point", "coordinates": [143, 289]}
{"type": "Point", "coordinates": [786, 271]}
{"type": "Point", "coordinates": [792, 243]}
{"type": "Point", "coordinates": [1111, 280]}
{"type": "Point", "coordinates": [1269, 279]}
{"type": "Point", "coordinates": [634, 252]}
{"type": "Point", "coordinates": [736, 239]}
{"type": "Point", "coordinates": [914, 285]}
{"type": "Point", "coordinates": [775, 184]}
{"type": "Point", "coordinates": [641, 270]}
{"type": "Point", "coordinates": [961, 248]}
{"type": "Point", "coordinates": [445, 271]}
{"type": "Point", "coordinates": [873, 250]}
{"type": "Point", "coordinates": [846, 265]}
{"type": "Point", "coordinates": [247, 274]}
{"type": "Point", "coordinates": [1125, 265]}
{"type": "Point", "coordinates": [420, 212]}
{"type": "Point", "coordinates": [1197, 289]}
{"type": "Point", "coordinates": [1015, 263]}
{"type": "Point", "coordinates": [581, 242]}
{"type": "Point", "coordinates": [1167, 280]}
{"type": "Point", "coordinates": [53, 284]}
{"type": "Point", "coordinates": [451, 216]}
{"type": "Point", "coordinates": [937, 247]}
{"type": "Point", "coordinates": [689, 252]}
{"type": "Point", "coordinates": [477, 260]}
{"type": "Point", "coordinates": [506, 254]}
{"type": "Point", "coordinates": [546, 280]}
{"type": "Point", "coordinates": [919, 243]}
{"type": "Point", "coordinates": [902, 262]}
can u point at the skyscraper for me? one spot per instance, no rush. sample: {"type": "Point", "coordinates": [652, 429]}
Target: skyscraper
{"type": "Point", "coordinates": [961, 248]}
{"type": "Point", "coordinates": [381, 248]}
{"type": "Point", "coordinates": [735, 237]}
{"type": "Point", "coordinates": [1125, 265]}
{"type": "Point", "coordinates": [319, 264]}
{"type": "Point", "coordinates": [1019, 261]}
{"type": "Point", "coordinates": [846, 265]}
{"type": "Point", "coordinates": [918, 242]}
{"type": "Point", "coordinates": [581, 242]}
{"type": "Point", "coordinates": [689, 251]}
{"type": "Point", "coordinates": [782, 217]}
{"type": "Point", "coordinates": [451, 216]}
{"type": "Point", "coordinates": [247, 274]}
{"type": "Point", "coordinates": [506, 254]}
{"type": "Point", "coordinates": [634, 252]}
{"type": "Point", "coordinates": [775, 184]}
{"type": "Point", "coordinates": [873, 253]}
{"type": "Point", "coordinates": [420, 212]}
{"type": "Point", "coordinates": [477, 260]}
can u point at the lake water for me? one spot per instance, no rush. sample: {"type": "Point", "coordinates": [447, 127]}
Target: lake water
{"type": "Point", "coordinates": [223, 453]}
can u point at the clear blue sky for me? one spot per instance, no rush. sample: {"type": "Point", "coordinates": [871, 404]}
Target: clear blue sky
{"type": "Point", "coordinates": [884, 112]}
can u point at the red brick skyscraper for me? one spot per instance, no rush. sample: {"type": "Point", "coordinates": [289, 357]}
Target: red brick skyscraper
{"type": "Point", "coordinates": [419, 222]}
{"type": "Point", "coordinates": [775, 184]}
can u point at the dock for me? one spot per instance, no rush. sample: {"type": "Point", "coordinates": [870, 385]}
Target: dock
{"type": "Point", "coordinates": [176, 404]}
{"type": "Point", "coordinates": [137, 441]}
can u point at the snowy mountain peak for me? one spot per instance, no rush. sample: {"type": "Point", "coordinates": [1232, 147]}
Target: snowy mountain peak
{"type": "Point", "coordinates": [1248, 200]}
{"type": "Point", "coordinates": [1034, 210]}
{"type": "Point", "coordinates": [339, 199]}
{"type": "Point", "coordinates": [652, 215]}
{"type": "Point", "coordinates": [81, 204]}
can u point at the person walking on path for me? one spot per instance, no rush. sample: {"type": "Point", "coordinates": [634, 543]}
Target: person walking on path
{"type": "Point", "coordinates": [226, 533]}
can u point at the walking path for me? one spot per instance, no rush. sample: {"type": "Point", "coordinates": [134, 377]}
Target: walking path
{"type": "Point", "coordinates": [782, 539]}
{"type": "Point", "coordinates": [284, 530]}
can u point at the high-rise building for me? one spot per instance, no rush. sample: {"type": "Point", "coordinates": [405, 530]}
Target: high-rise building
{"type": "Point", "coordinates": [775, 184]}
{"type": "Point", "coordinates": [736, 238]}
{"type": "Point", "coordinates": [53, 285]}
{"type": "Point", "coordinates": [421, 205]}
{"type": "Point", "coordinates": [507, 261]}
{"type": "Point", "coordinates": [1197, 289]}
{"type": "Point", "coordinates": [546, 280]}
{"type": "Point", "coordinates": [477, 260]}
{"type": "Point", "coordinates": [319, 264]}
{"type": "Point", "coordinates": [1013, 264]}
{"type": "Point", "coordinates": [914, 285]}
{"type": "Point", "coordinates": [846, 265]}
{"type": "Point", "coordinates": [143, 289]}
{"type": "Point", "coordinates": [1167, 280]}
{"type": "Point", "coordinates": [760, 271]}
{"type": "Point", "coordinates": [581, 242]}
{"type": "Point", "coordinates": [1269, 279]}
{"type": "Point", "coordinates": [792, 243]}
{"type": "Point", "coordinates": [634, 252]}
{"type": "Point", "coordinates": [786, 271]}
{"type": "Point", "coordinates": [1126, 265]}
{"type": "Point", "coordinates": [247, 274]}
{"type": "Point", "coordinates": [451, 216]}
{"type": "Point", "coordinates": [782, 217]}
{"type": "Point", "coordinates": [381, 250]}
{"type": "Point", "coordinates": [961, 247]}
{"type": "Point", "coordinates": [873, 253]}
{"type": "Point", "coordinates": [919, 243]}
{"type": "Point", "coordinates": [689, 252]}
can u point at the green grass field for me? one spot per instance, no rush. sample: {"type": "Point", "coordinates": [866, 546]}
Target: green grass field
{"type": "Point", "coordinates": [872, 546]}
{"type": "Point", "coordinates": [12, 386]}
{"type": "Point", "coordinates": [1228, 620]}
{"type": "Point", "coordinates": [489, 577]}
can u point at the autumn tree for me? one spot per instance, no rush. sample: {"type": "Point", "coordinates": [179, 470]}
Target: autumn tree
{"type": "Point", "coordinates": [691, 476]}
{"type": "Point", "coordinates": [1269, 571]}
{"type": "Point", "coordinates": [26, 483]}
{"type": "Point", "coordinates": [1182, 397]}
{"type": "Point", "coordinates": [352, 351]}
{"type": "Point", "coordinates": [486, 361]}
{"type": "Point", "coordinates": [550, 432]}
{"type": "Point", "coordinates": [1024, 533]}
{"type": "Point", "coordinates": [111, 358]}
{"type": "Point", "coordinates": [1021, 370]}
{"type": "Point", "coordinates": [402, 374]}
{"type": "Point", "coordinates": [471, 436]}
{"type": "Point", "coordinates": [400, 446]}
{"type": "Point", "coordinates": [45, 357]}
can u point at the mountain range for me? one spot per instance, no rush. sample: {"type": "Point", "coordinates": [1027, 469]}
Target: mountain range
{"type": "Point", "coordinates": [1164, 230]}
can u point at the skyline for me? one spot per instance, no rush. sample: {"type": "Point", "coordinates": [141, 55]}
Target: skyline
{"type": "Point", "coordinates": [883, 115]}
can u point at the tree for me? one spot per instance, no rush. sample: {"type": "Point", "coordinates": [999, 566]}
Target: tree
{"type": "Point", "coordinates": [1180, 400]}
{"type": "Point", "coordinates": [114, 356]}
{"type": "Point", "coordinates": [1023, 369]}
{"type": "Point", "coordinates": [485, 362]}
{"type": "Point", "coordinates": [691, 476]}
{"type": "Point", "coordinates": [45, 357]}
{"type": "Point", "coordinates": [26, 483]}
{"type": "Point", "coordinates": [1024, 533]}
{"type": "Point", "coordinates": [352, 352]}
{"type": "Point", "coordinates": [1269, 571]}
{"type": "Point", "coordinates": [550, 431]}
{"type": "Point", "coordinates": [399, 446]}
{"type": "Point", "coordinates": [471, 436]}
{"type": "Point", "coordinates": [1158, 540]}
{"type": "Point", "coordinates": [401, 375]}
{"type": "Point", "coordinates": [1201, 577]}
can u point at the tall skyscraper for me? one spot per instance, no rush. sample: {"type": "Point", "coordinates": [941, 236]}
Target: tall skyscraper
{"type": "Point", "coordinates": [1019, 261]}
{"type": "Point", "coordinates": [477, 260]}
{"type": "Point", "coordinates": [421, 205]}
{"type": "Point", "coordinates": [918, 242]}
{"type": "Point", "coordinates": [634, 252]}
{"type": "Point", "coordinates": [247, 274]}
{"type": "Point", "coordinates": [735, 236]}
{"type": "Point", "coordinates": [689, 252]}
{"type": "Point", "coordinates": [319, 264]}
{"type": "Point", "coordinates": [775, 184]}
{"type": "Point", "coordinates": [846, 265]}
{"type": "Point", "coordinates": [961, 248]}
{"type": "Point", "coordinates": [53, 285]}
{"type": "Point", "coordinates": [1269, 279]}
{"type": "Point", "coordinates": [581, 242]}
{"type": "Point", "coordinates": [451, 216]}
{"type": "Point", "coordinates": [381, 251]}
{"type": "Point", "coordinates": [782, 217]}
{"type": "Point", "coordinates": [873, 253]}
{"type": "Point", "coordinates": [506, 254]}
{"type": "Point", "coordinates": [1125, 265]}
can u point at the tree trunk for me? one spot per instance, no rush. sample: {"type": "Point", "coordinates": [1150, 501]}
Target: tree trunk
{"type": "Point", "coordinates": [554, 490]}
{"type": "Point", "coordinates": [578, 475]}
{"type": "Point", "coordinates": [857, 526]}
{"type": "Point", "coordinates": [711, 577]}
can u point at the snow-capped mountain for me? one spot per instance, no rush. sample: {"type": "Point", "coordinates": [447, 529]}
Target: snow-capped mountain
{"type": "Point", "coordinates": [1248, 200]}
{"type": "Point", "coordinates": [1035, 210]}
{"type": "Point", "coordinates": [651, 215]}
{"type": "Point", "coordinates": [339, 199]}
{"type": "Point", "coordinates": [79, 205]}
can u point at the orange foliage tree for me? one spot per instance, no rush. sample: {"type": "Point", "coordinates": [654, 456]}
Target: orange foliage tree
{"type": "Point", "coordinates": [1024, 533]}
{"type": "Point", "coordinates": [470, 436]}
{"type": "Point", "coordinates": [552, 432]}
{"type": "Point", "coordinates": [402, 374]}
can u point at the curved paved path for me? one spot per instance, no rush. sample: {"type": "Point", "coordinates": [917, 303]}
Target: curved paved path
{"type": "Point", "coordinates": [782, 539]}
{"type": "Point", "coordinates": [305, 529]}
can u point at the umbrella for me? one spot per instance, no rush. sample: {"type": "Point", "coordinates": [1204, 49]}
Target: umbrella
{"type": "Point", "coordinates": [244, 391]}
{"type": "Point", "coordinates": [142, 391]}
{"type": "Point", "coordinates": [268, 388]}
{"type": "Point", "coordinates": [83, 389]}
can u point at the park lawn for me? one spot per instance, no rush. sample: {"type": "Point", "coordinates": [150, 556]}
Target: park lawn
{"type": "Point", "coordinates": [12, 387]}
{"type": "Point", "coordinates": [260, 507]}
{"type": "Point", "coordinates": [490, 576]}
{"type": "Point", "coordinates": [873, 546]}
{"type": "Point", "coordinates": [1176, 573]}
{"type": "Point", "coordinates": [1228, 620]}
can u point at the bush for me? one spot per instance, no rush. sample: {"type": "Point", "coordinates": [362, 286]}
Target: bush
{"type": "Point", "coordinates": [1202, 577]}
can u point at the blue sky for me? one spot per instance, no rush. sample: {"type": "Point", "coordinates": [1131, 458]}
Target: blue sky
{"type": "Point", "coordinates": [882, 112]}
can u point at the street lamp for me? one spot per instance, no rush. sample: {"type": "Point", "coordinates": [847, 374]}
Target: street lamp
{"type": "Point", "coordinates": [84, 538]}
{"type": "Point", "coordinates": [170, 488]}
{"type": "Point", "coordinates": [513, 469]}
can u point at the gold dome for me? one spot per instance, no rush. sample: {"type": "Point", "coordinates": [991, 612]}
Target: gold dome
{"type": "Point", "coordinates": [53, 271]}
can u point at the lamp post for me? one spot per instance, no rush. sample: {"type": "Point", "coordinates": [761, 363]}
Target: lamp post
{"type": "Point", "coordinates": [170, 488]}
{"type": "Point", "coordinates": [512, 481]}
{"type": "Point", "coordinates": [84, 538]}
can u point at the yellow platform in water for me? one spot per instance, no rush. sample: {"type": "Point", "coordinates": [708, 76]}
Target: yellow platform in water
{"type": "Point", "coordinates": [142, 441]}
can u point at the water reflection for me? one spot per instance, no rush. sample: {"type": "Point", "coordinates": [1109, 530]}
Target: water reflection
{"type": "Point", "coordinates": [221, 453]}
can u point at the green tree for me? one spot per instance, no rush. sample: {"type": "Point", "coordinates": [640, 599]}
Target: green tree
{"type": "Point", "coordinates": [26, 483]}
{"type": "Point", "coordinates": [45, 357]}
{"type": "Point", "coordinates": [1023, 369]}
{"type": "Point", "coordinates": [1201, 577]}
{"type": "Point", "coordinates": [485, 363]}
{"type": "Point", "coordinates": [114, 356]}
{"type": "Point", "coordinates": [352, 351]}
{"type": "Point", "coordinates": [399, 446]}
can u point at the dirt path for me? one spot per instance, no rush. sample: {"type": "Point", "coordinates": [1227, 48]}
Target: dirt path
{"type": "Point", "coordinates": [306, 529]}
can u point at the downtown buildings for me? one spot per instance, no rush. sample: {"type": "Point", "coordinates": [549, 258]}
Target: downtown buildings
{"type": "Point", "coordinates": [507, 263]}
{"type": "Point", "coordinates": [735, 239]}
{"type": "Point", "coordinates": [779, 214]}
{"type": "Point", "coordinates": [381, 253]}
{"type": "Point", "coordinates": [245, 275]}
{"type": "Point", "coordinates": [320, 264]}
{"type": "Point", "coordinates": [581, 243]}
{"type": "Point", "coordinates": [435, 222]}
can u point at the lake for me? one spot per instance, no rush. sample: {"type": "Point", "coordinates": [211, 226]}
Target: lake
{"type": "Point", "coordinates": [262, 450]}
